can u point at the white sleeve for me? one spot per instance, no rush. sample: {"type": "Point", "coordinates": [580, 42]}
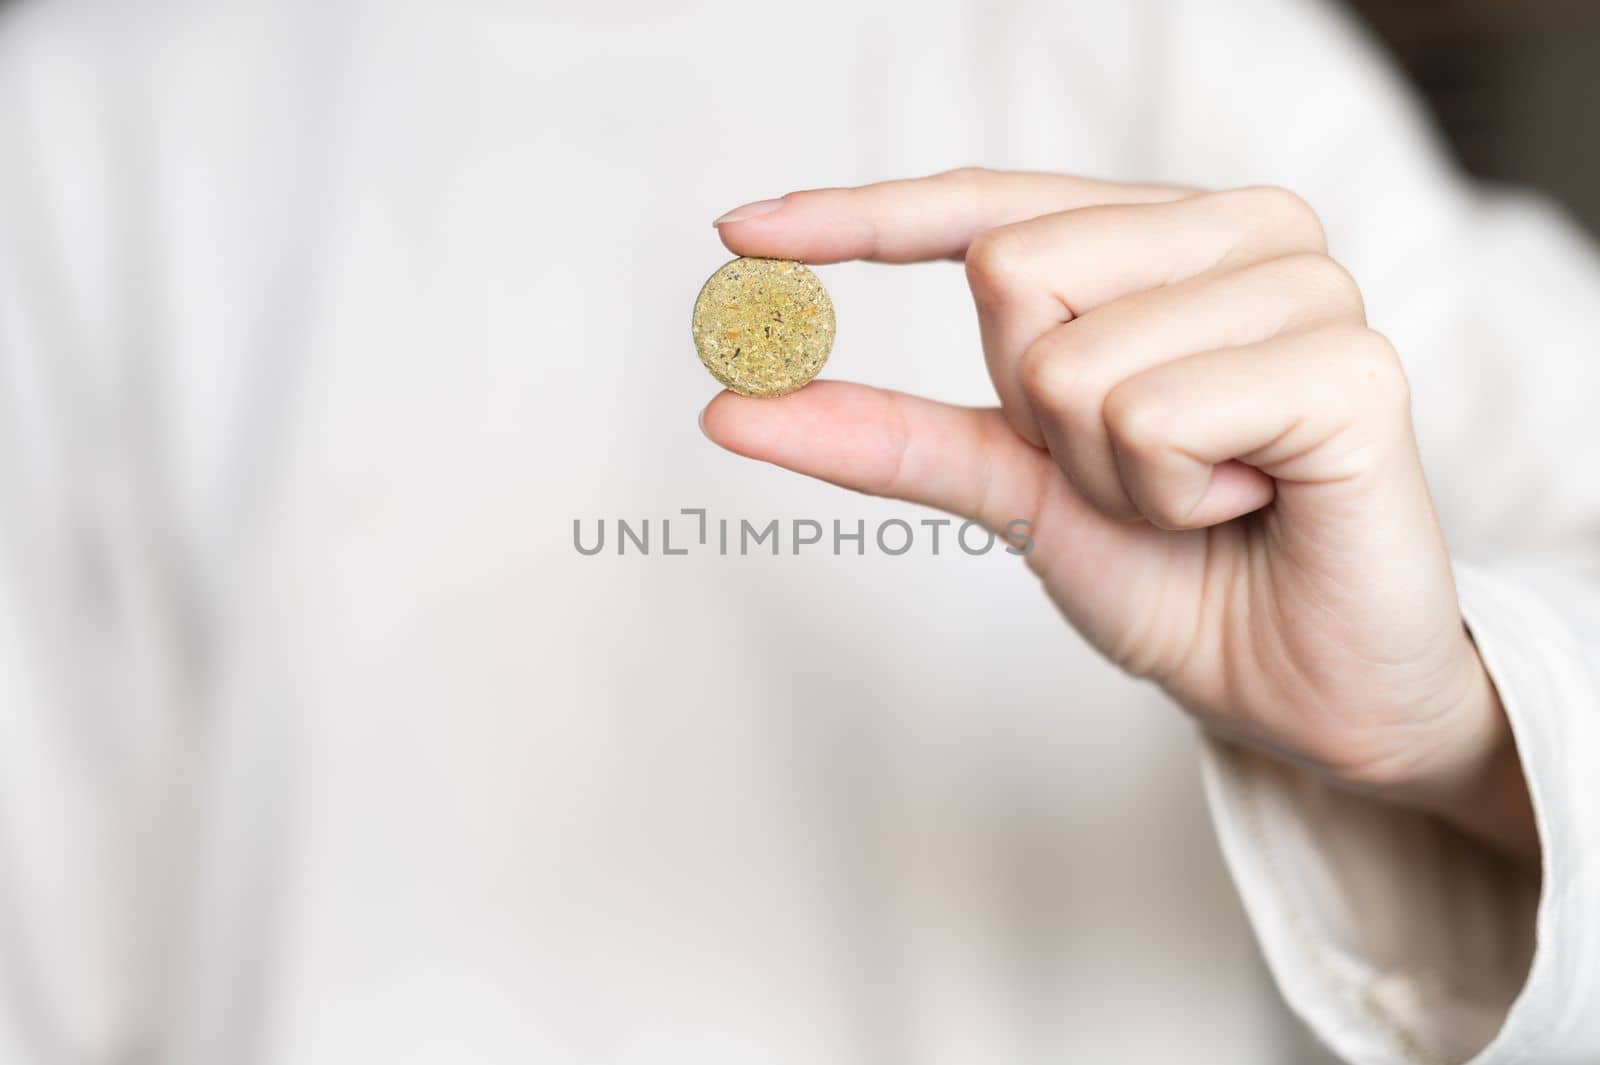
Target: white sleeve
{"type": "Point", "coordinates": [1396, 939]}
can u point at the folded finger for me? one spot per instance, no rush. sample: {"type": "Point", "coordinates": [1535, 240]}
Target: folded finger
{"type": "Point", "coordinates": [1030, 277]}
{"type": "Point", "coordinates": [1068, 372]}
{"type": "Point", "coordinates": [1206, 439]}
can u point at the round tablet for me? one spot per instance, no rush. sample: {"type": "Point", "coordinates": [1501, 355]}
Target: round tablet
{"type": "Point", "coordinates": [763, 327]}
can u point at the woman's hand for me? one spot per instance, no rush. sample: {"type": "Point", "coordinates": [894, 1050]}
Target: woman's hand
{"type": "Point", "coordinates": [1214, 450]}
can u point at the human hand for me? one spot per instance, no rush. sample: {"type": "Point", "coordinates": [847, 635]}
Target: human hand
{"type": "Point", "coordinates": [1214, 450]}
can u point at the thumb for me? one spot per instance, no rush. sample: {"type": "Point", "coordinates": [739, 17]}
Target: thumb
{"type": "Point", "coordinates": [971, 463]}
{"type": "Point", "coordinates": [959, 459]}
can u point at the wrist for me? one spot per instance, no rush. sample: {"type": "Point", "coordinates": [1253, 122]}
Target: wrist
{"type": "Point", "coordinates": [1475, 780]}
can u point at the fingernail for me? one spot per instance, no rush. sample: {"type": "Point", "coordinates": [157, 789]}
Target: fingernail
{"type": "Point", "coordinates": [749, 210]}
{"type": "Point", "coordinates": [702, 421]}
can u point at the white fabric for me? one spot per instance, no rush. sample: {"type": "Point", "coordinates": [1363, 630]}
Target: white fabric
{"type": "Point", "coordinates": [320, 323]}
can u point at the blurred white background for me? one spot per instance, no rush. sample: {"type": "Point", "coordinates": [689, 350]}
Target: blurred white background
{"type": "Point", "coordinates": [320, 324]}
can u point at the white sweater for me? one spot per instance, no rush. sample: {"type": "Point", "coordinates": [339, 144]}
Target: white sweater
{"type": "Point", "coordinates": [321, 323]}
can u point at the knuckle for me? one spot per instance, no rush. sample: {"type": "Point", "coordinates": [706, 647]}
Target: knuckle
{"type": "Point", "coordinates": [805, 197]}
{"type": "Point", "coordinates": [1061, 378]}
{"type": "Point", "coordinates": [1051, 371]}
{"type": "Point", "coordinates": [1326, 281]}
{"type": "Point", "coordinates": [996, 263]}
{"type": "Point", "coordinates": [1138, 426]}
{"type": "Point", "coordinates": [1045, 378]}
{"type": "Point", "coordinates": [966, 176]}
{"type": "Point", "coordinates": [1376, 360]}
{"type": "Point", "coordinates": [1288, 210]}
{"type": "Point", "coordinates": [1373, 368]}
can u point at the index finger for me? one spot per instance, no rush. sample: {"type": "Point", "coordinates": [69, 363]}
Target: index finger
{"type": "Point", "coordinates": [914, 220]}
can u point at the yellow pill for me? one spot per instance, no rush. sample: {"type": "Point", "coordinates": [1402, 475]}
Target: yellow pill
{"type": "Point", "coordinates": [763, 327]}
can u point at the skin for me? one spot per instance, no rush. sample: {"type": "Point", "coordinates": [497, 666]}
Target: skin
{"type": "Point", "coordinates": [1215, 452]}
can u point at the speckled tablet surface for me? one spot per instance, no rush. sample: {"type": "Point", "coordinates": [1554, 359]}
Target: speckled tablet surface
{"type": "Point", "coordinates": [763, 327]}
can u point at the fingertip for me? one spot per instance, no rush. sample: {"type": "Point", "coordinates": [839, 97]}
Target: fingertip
{"type": "Point", "coordinates": [801, 430]}
{"type": "Point", "coordinates": [749, 211]}
{"type": "Point", "coordinates": [754, 229]}
{"type": "Point", "coordinates": [812, 226]}
{"type": "Point", "coordinates": [709, 421]}
{"type": "Point", "coordinates": [701, 419]}
{"type": "Point", "coordinates": [763, 237]}
{"type": "Point", "coordinates": [735, 238]}
{"type": "Point", "coordinates": [734, 422]}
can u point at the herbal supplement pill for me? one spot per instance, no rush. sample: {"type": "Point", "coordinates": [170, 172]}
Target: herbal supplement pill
{"type": "Point", "coordinates": [763, 327]}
